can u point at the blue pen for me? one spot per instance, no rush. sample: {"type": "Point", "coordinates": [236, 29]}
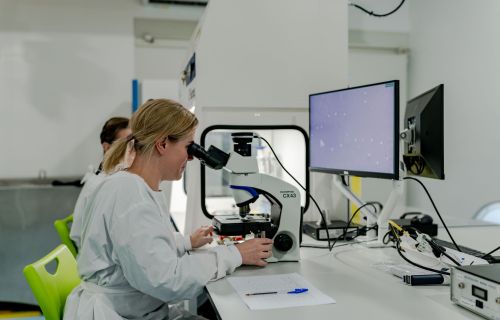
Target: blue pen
{"type": "Point", "coordinates": [298, 290]}
{"type": "Point", "coordinates": [294, 291]}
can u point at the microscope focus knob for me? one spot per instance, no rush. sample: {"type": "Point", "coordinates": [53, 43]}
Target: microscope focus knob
{"type": "Point", "coordinates": [283, 242]}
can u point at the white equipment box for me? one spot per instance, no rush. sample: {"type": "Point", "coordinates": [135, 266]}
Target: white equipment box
{"type": "Point", "coordinates": [477, 288]}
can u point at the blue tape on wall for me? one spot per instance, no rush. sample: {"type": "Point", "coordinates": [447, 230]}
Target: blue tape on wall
{"type": "Point", "coordinates": [135, 95]}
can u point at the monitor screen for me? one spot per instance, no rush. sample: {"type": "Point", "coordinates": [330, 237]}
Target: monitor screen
{"type": "Point", "coordinates": [355, 131]}
{"type": "Point", "coordinates": [424, 124]}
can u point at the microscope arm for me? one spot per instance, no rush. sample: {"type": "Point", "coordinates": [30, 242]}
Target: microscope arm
{"type": "Point", "coordinates": [238, 164]}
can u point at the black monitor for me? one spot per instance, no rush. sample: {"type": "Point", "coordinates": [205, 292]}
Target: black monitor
{"type": "Point", "coordinates": [424, 134]}
{"type": "Point", "coordinates": [355, 131]}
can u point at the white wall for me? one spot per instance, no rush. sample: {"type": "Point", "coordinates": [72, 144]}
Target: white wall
{"type": "Point", "coordinates": [65, 67]}
{"type": "Point", "coordinates": [455, 42]}
{"type": "Point", "coordinates": [159, 62]}
{"type": "Point", "coordinates": [262, 53]}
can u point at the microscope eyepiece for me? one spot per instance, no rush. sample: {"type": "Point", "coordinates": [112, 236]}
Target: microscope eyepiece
{"type": "Point", "coordinates": [213, 158]}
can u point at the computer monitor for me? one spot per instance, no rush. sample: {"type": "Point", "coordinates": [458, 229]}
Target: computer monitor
{"type": "Point", "coordinates": [424, 134]}
{"type": "Point", "coordinates": [355, 131]}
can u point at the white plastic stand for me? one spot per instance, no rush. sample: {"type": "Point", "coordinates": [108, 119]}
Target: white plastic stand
{"type": "Point", "coordinates": [383, 218]}
{"type": "Point", "coordinates": [371, 217]}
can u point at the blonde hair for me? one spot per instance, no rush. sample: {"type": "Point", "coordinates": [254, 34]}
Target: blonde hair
{"type": "Point", "coordinates": [156, 119]}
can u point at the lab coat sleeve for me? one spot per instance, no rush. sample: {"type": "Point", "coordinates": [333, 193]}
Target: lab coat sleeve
{"type": "Point", "coordinates": [183, 243]}
{"type": "Point", "coordinates": [229, 258]}
{"type": "Point", "coordinates": [145, 248]}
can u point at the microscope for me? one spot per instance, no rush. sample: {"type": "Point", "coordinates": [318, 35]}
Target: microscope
{"type": "Point", "coordinates": [282, 224]}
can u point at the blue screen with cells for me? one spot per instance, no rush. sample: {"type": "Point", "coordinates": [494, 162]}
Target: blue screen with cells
{"type": "Point", "coordinates": [353, 129]}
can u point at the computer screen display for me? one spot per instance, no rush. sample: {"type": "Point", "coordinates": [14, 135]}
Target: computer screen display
{"type": "Point", "coordinates": [355, 131]}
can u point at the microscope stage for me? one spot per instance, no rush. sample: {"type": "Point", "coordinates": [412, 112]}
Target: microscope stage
{"type": "Point", "coordinates": [234, 225]}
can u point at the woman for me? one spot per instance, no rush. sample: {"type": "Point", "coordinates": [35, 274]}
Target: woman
{"type": "Point", "coordinates": [131, 262]}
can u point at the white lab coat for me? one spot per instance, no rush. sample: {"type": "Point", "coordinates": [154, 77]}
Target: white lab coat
{"type": "Point", "coordinates": [131, 261]}
{"type": "Point", "coordinates": [91, 182]}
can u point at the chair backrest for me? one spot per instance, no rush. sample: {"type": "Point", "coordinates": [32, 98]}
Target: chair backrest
{"type": "Point", "coordinates": [489, 212]}
{"type": "Point", "coordinates": [63, 227]}
{"type": "Point", "coordinates": [51, 290]}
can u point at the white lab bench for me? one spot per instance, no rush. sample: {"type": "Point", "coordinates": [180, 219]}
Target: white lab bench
{"type": "Point", "coordinates": [361, 290]}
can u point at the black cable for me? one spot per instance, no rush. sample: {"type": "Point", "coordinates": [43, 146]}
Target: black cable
{"type": "Point", "coordinates": [398, 247]}
{"type": "Point", "coordinates": [377, 14]}
{"type": "Point", "coordinates": [489, 253]}
{"type": "Point", "coordinates": [350, 220]}
{"type": "Point", "coordinates": [435, 208]}
{"type": "Point", "coordinates": [307, 193]}
{"type": "Point", "coordinates": [365, 229]}
{"type": "Point", "coordinates": [386, 238]}
{"type": "Point", "coordinates": [325, 247]}
{"type": "Point", "coordinates": [442, 251]}
{"type": "Point", "coordinates": [417, 163]}
{"type": "Point", "coordinates": [346, 182]}
{"type": "Point", "coordinates": [380, 205]}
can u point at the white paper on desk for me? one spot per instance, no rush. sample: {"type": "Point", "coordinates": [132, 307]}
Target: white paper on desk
{"type": "Point", "coordinates": [281, 283]}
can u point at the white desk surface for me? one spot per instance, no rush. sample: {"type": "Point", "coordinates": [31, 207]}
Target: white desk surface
{"type": "Point", "coordinates": [347, 274]}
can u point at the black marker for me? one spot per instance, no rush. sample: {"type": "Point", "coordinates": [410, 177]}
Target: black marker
{"type": "Point", "coordinates": [259, 293]}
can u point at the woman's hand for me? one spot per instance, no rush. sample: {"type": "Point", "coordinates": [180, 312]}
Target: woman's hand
{"type": "Point", "coordinates": [254, 251]}
{"type": "Point", "coordinates": [201, 236]}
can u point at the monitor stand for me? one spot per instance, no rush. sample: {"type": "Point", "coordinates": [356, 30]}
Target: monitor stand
{"type": "Point", "coordinates": [373, 239]}
{"type": "Point", "coordinates": [385, 214]}
{"type": "Point", "coordinates": [371, 217]}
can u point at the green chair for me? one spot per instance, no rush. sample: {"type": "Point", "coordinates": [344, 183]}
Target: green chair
{"type": "Point", "coordinates": [51, 290]}
{"type": "Point", "coordinates": [63, 227]}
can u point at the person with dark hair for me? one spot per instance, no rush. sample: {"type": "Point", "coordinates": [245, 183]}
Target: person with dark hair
{"type": "Point", "coordinates": [115, 128]}
{"type": "Point", "coordinates": [132, 263]}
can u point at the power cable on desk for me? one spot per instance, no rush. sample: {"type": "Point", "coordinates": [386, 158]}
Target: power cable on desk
{"type": "Point", "coordinates": [350, 220]}
{"type": "Point", "coordinates": [441, 250]}
{"type": "Point", "coordinates": [398, 248]}
{"type": "Point", "coordinates": [435, 246]}
{"type": "Point", "coordinates": [345, 182]}
{"type": "Point", "coordinates": [435, 208]}
{"type": "Point", "coordinates": [365, 229]}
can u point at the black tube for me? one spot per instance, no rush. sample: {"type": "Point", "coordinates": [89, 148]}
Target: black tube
{"type": "Point", "coordinates": [213, 158]}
